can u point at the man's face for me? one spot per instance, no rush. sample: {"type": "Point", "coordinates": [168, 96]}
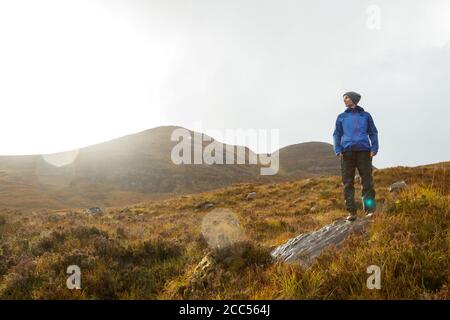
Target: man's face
{"type": "Point", "coordinates": [348, 102]}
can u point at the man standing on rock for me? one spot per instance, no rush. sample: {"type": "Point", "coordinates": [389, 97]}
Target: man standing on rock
{"type": "Point", "coordinates": [354, 127]}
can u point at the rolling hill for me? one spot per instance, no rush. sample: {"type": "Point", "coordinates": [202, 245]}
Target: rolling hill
{"type": "Point", "coordinates": [137, 167]}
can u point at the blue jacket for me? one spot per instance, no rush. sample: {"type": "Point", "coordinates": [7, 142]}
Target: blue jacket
{"type": "Point", "coordinates": [353, 129]}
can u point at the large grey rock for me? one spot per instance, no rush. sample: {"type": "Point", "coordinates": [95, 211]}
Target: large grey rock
{"type": "Point", "coordinates": [306, 247]}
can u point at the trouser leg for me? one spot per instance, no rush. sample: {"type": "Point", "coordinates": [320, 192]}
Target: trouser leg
{"type": "Point", "coordinates": [348, 167]}
{"type": "Point", "coordinates": [364, 164]}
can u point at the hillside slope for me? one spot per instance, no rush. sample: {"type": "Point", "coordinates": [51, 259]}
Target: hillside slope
{"type": "Point", "coordinates": [152, 249]}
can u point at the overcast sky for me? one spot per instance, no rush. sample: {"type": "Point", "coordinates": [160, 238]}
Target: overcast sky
{"type": "Point", "coordinates": [75, 73]}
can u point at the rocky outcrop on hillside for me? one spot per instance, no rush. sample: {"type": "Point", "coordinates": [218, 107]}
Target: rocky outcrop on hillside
{"type": "Point", "coordinates": [306, 247]}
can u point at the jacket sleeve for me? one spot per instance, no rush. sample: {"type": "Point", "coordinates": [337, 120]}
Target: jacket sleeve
{"type": "Point", "coordinates": [373, 135]}
{"type": "Point", "coordinates": [337, 136]}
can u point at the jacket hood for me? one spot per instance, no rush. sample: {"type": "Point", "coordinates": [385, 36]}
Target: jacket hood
{"type": "Point", "coordinates": [357, 108]}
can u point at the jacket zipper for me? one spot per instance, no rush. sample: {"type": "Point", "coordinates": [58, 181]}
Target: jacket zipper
{"type": "Point", "coordinates": [355, 121]}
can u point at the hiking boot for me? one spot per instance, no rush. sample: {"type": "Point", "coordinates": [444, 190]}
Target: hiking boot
{"type": "Point", "coordinates": [351, 217]}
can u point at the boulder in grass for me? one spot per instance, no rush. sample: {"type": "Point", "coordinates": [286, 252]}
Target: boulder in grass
{"type": "Point", "coordinates": [208, 205]}
{"type": "Point", "coordinates": [251, 195]}
{"type": "Point", "coordinates": [306, 247]}
{"type": "Point", "coordinates": [204, 205]}
{"type": "Point", "coordinates": [397, 186]}
{"type": "Point", "coordinates": [94, 210]}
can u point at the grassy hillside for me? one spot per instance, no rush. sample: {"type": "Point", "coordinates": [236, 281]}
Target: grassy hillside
{"type": "Point", "coordinates": [150, 250]}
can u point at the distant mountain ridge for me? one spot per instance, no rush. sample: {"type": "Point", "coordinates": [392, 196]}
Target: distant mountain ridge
{"type": "Point", "coordinates": [139, 165]}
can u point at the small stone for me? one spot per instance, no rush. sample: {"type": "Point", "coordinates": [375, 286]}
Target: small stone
{"type": "Point", "coordinates": [397, 186]}
{"type": "Point", "coordinates": [251, 195]}
{"type": "Point", "coordinates": [204, 205]}
{"type": "Point", "coordinates": [208, 205]}
{"type": "Point", "coordinates": [94, 210]}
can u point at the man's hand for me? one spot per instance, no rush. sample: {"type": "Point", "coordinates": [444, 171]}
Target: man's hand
{"type": "Point", "coordinates": [372, 154]}
{"type": "Point", "coordinates": [341, 155]}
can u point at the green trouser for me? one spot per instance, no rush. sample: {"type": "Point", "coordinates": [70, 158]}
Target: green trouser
{"type": "Point", "coordinates": [363, 161]}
